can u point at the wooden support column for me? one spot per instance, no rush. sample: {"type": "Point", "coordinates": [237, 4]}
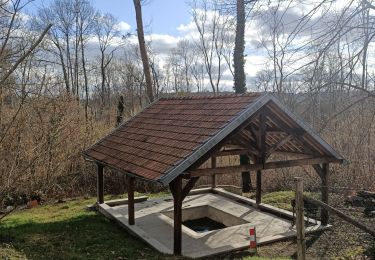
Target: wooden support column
{"type": "Point", "coordinates": [100, 183]}
{"type": "Point", "coordinates": [258, 196]}
{"type": "Point", "coordinates": [300, 220]}
{"type": "Point", "coordinates": [262, 159]}
{"type": "Point", "coordinates": [213, 177]}
{"type": "Point", "coordinates": [176, 188]}
{"type": "Point", "coordinates": [246, 178]}
{"type": "Point", "coordinates": [130, 187]}
{"type": "Point", "coordinates": [324, 216]}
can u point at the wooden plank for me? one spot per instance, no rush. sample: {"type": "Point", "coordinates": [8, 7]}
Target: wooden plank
{"type": "Point", "coordinates": [324, 216]}
{"type": "Point", "coordinates": [100, 183]}
{"type": "Point", "coordinates": [300, 220]}
{"type": "Point", "coordinates": [259, 166]}
{"type": "Point", "coordinates": [213, 177]}
{"type": "Point", "coordinates": [130, 188]}
{"type": "Point", "coordinates": [176, 185]}
{"type": "Point", "coordinates": [340, 214]}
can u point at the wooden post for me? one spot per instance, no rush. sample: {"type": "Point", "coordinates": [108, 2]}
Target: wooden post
{"type": "Point", "coordinates": [100, 183]}
{"type": "Point", "coordinates": [246, 178]}
{"type": "Point", "coordinates": [324, 215]}
{"type": "Point", "coordinates": [213, 177]}
{"type": "Point", "coordinates": [130, 187]}
{"type": "Point", "coordinates": [258, 197]}
{"type": "Point", "coordinates": [261, 160]}
{"type": "Point", "coordinates": [176, 188]}
{"type": "Point", "coordinates": [300, 220]}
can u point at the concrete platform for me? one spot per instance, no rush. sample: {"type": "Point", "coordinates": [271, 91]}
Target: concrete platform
{"type": "Point", "coordinates": [154, 223]}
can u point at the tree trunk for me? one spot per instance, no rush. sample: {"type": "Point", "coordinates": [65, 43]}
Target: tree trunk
{"type": "Point", "coordinates": [239, 48]}
{"type": "Point", "coordinates": [142, 49]}
{"type": "Point", "coordinates": [85, 78]}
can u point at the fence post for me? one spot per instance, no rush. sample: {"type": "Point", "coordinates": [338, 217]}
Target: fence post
{"type": "Point", "coordinates": [300, 221]}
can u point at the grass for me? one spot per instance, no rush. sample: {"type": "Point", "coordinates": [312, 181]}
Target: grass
{"type": "Point", "coordinates": [68, 231]}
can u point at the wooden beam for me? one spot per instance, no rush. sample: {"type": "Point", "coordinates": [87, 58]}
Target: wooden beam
{"type": "Point", "coordinates": [262, 134]}
{"type": "Point", "coordinates": [340, 214]}
{"type": "Point", "coordinates": [222, 143]}
{"type": "Point", "coordinates": [100, 183]}
{"type": "Point", "coordinates": [318, 170]}
{"type": "Point", "coordinates": [299, 162]}
{"type": "Point", "coordinates": [254, 132]}
{"type": "Point", "coordinates": [213, 177]}
{"type": "Point", "coordinates": [188, 186]}
{"type": "Point", "coordinates": [324, 216]}
{"type": "Point", "coordinates": [232, 152]}
{"type": "Point", "coordinates": [262, 159]}
{"type": "Point", "coordinates": [278, 145]}
{"type": "Point", "coordinates": [246, 144]}
{"type": "Point", "coordinates": [259, 166]}
{"type": "Point", "coordinates": [270, 130]}
{"type": "Point", "coordinates": [130, 187]}
{"type": "Point", "coordinates": [258, 195]}
{"type": "Point", "coordinates": [176, 185]}
{"type": "Point", "coordinates": [296, 133]}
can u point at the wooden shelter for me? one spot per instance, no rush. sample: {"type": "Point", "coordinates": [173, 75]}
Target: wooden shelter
{"type": "Point", "coordinates": [170, 139]}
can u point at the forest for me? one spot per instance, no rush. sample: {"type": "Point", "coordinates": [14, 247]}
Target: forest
{"type": "Point", "coordinates": [69, 74]}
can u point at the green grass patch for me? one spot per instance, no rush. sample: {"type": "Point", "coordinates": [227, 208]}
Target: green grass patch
{"type": "Point", "coordinates": [280, 199]}
{"type": "Point", "coordinates": [68, 231]}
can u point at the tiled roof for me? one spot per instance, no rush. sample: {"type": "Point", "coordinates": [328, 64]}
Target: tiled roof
{"type": "Point", "coordinates": [170, 135]}
{"type": "Point", "coordinates": [162, 135]}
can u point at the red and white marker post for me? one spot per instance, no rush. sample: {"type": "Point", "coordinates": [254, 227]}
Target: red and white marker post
{"type": "Point", "coordinates": [253, 240]}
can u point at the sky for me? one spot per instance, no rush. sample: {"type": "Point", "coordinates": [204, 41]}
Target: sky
{"type": "Point", "coordinates": [166, 22]}
{"type": "Point", "coordinates": [161, 16]}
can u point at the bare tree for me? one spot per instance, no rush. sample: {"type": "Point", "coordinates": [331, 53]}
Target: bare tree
{"type": "Point", "coordinates": [212, 26]}
{"type": "Point", "coordinates": [105, 32]}
{"type": "Point", "coordinates": [143, 50]}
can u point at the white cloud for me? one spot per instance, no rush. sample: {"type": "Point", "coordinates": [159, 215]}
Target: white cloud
{"type": "Point", "coordinates": [123, 26]}
{"type": "Point", "coordinates": [186, 28]}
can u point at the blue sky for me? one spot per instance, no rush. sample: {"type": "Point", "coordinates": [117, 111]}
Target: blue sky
{"type": "Point", "coordinates": [160, 16]}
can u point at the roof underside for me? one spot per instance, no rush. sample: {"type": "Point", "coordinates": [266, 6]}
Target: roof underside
{"type": "Point", "coordinates": [166, 138]}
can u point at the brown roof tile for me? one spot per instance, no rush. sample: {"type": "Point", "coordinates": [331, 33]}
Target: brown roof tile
{"type": "Point", "coordinates": [159, 137]}
{"type": "Point", "coordinates": [167, 137]}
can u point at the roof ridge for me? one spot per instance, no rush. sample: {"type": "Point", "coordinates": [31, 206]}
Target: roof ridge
{"type": "Point", "coordinates": [210, 96]}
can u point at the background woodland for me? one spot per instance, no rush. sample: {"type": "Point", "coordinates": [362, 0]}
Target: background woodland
{"type": "Point", "coordinates": [85, 77]}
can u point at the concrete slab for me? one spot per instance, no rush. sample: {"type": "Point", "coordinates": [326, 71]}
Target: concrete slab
{"type": "Point", "coordinates": [154, 223]}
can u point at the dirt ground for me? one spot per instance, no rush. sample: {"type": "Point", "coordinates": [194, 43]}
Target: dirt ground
{"type": "Point", "coordinates": [341, 241]}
